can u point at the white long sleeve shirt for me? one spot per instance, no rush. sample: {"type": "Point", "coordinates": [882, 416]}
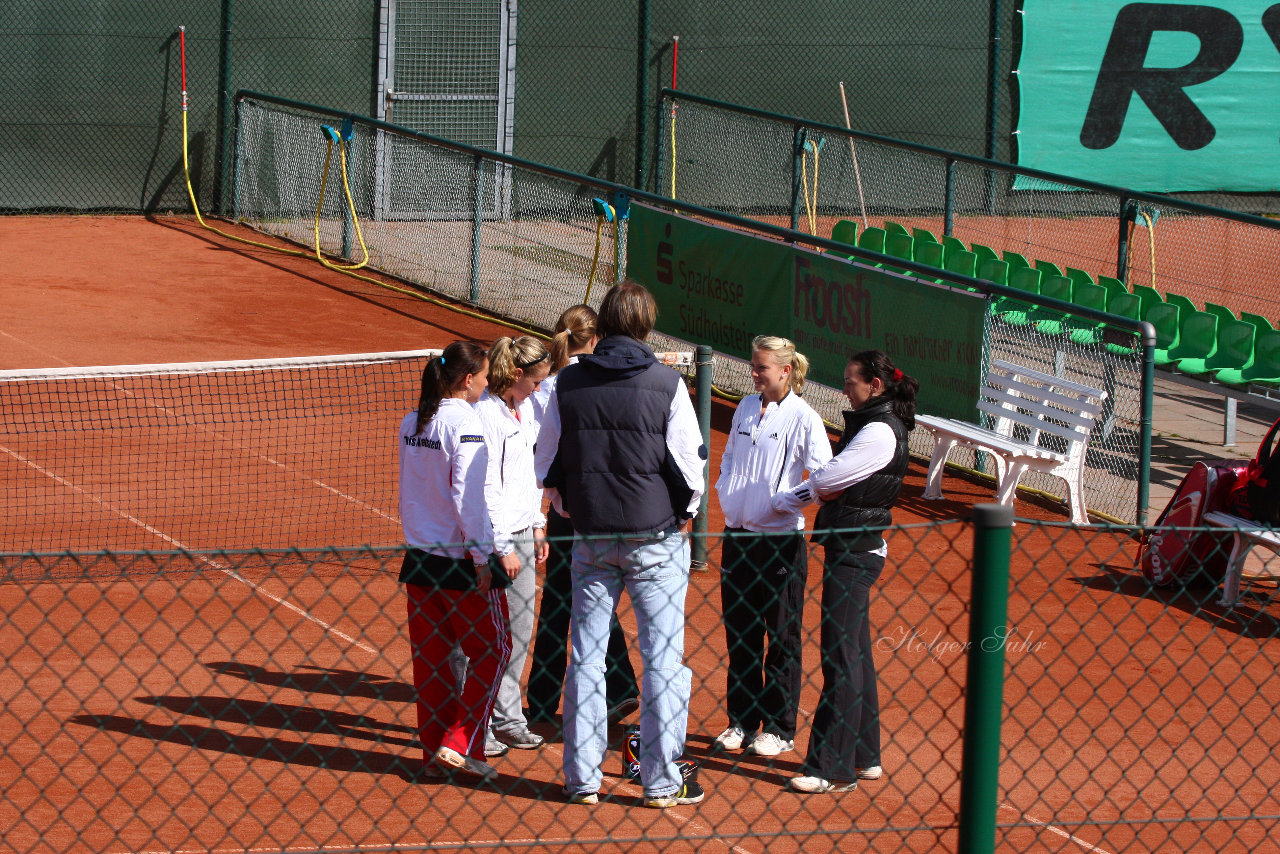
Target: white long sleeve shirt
{"type": "Point", "coordinates": [442, 483]}
{"type": "Point", "coordinates": [768, 452]}
{"type": "Point", "coordinates": [684, 441]}
{"type": "Point", "coordinates": [870, 450]}
{"type": "Point", "coordinates": [511, 490]}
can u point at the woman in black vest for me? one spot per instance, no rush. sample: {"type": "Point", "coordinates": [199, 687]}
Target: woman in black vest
{"type": "Point", "coordinates": [857, 488]}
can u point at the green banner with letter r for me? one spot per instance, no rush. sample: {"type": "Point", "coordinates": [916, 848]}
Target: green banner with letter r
{"type": "Point", "coordinates": [722, 287]}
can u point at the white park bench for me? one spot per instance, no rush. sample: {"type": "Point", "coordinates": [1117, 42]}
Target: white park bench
{"type": "Point", "coordinates": [1245, 534]}
{"type": "Point", "coordinates": [1040, 422]}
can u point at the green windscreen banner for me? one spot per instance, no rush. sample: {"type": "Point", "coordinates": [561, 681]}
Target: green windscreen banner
{"type": "Point", "coordinates": [1151, 96]}
{"type": "Point", "coordinates": [721, 287]}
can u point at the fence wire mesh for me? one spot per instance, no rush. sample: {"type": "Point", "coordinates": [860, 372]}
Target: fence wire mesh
{"type": "Point", "coordinates": [745, 161]}
{"type": "Point", "coordinates": [491, 231]}
{"type": "Point", "coordinates": [254, 699]}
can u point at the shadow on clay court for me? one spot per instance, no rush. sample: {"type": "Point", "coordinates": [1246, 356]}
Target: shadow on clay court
{"type": "Point", "coordinates": [1254, 616]}
{"type": "Point", "coordinates": [320, 680]}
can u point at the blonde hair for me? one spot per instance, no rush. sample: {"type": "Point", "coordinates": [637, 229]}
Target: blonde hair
{"type": "Point", "coordinates": [574, 331]}
{"type": "Point", "coordinates": [783, 352]}
{"type": "Point", "coordinates": [508, 354]}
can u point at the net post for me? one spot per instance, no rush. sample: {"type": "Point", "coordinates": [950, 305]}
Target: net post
{"type": "Point", "coordinates": [984, 706]}
{"type": "Point", "coordinates": [703, 371]}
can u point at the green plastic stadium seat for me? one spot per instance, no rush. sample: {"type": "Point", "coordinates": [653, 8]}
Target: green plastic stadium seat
{"type": "Point", "coordinates": [1222, 311]}
{"type": "Point", "coordinates": [1165, 319]}
{"type": "Point", "coordinates": [984, 253]}
{"type": "Point", "coordinates": [993, 270]}
{"type": "Point", "coordinates": [1080, 277]}
{"type": "Point", "coordinates": [1113, 285]}
{"type": "Point", "coordinates": [1126, 305]}
{"type": "Point", "coordinates": [845, 231]}
{"type": "Point", "coordinates": [899, 245]}
{"type": "Point", "coordinates": [1197, 336]}
{"type": "Point", "coordinates": [1265, 366]}
{"type": "Point", "coordinates": [1233, 348]}
{"type": "Point", "coordinates": [962, 261]}
{"type": "Point", "coordinates": [1015, 260]}
{"type": "Point", "coordinates": [927, 252]}
{"type": "Point", "coordinates": [1084, 330]}
{"type": "Point", "coordinates": [952, 244]}
{"type": "Point", "coordinates": [872, 239]}
{"type": "Point", "coordinates": [1048, 268]}
{"type": "Point", "coordinates": [923, 235]}
{"type": "Point", "coordinates": [891, 227]}
{"type": "Point", "coordinates": [1149, 296]}
{"type": "Point", "coordinates": [1181, 302]}
{"type": "Point", "coordinates": [1014, 312]}
{"type": "Point", "coordinates": [1051, 321]}
{"type": "Point", "coordinates": [1257, 320]}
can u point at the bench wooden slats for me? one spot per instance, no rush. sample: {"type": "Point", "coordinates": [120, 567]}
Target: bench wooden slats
{"type": "Point", "coordinates": [1038, 403]}
{"type": "Point", "coordinates": [1246, 533]}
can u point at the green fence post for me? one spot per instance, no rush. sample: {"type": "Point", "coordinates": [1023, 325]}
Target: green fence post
{"type": "Point", "coordinates": [224, 109]}
{"type": "Point", "coordinates": [478, 201]}
{"type": "Point", "coordinates": [1122, 240]}
{"type": "Point", "coordinates": [949, 200]}
{"type": "Point", "coordinates": [642, 91]}
{"type": "Point", "coordinates": [702, 381]}
{"type": "Point", "coordinates": [984, 705]}
{"type": "Point", "coordinates": [796, 164]}
{"type": "Point", "coordinates": [1145, 420]}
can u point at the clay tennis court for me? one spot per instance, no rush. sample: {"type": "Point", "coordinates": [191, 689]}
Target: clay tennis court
{"type": "Point", "coordinates": [260, 701]}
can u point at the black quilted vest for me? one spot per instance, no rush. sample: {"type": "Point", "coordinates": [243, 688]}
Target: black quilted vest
{"type": "Point", "coordinates": [613, 468]}
{"type": "Point", "coordinates": [865, 504]}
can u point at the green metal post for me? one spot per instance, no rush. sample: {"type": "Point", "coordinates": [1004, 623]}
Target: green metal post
{"type": "Point", "coordinates": [1144, 419]}
{"type": "Point", "coordinates": [223, 144]}
{"type": "Point", "coordinates": [642, 92]}
{"type": "Point", "coordinates": [949, 202]}
{"type": "Point", "coordinates": [984, 706]}
{"type": "Point", "coordinates": [702, 379]}
{"type": "Point", "coordinates": [796, 189]}
{"type": "Point", "coordinates": [1122, 242]}
{"type": "Point", "coordinates": [478, 204]}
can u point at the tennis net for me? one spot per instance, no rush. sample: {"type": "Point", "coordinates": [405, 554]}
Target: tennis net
{"type": "Point", "coordinates": [274, 453]}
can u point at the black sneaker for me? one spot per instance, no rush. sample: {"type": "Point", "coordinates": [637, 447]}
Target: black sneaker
{"type": "Point", "coordinates": [690, 792]}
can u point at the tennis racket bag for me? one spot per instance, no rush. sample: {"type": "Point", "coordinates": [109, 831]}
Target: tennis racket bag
{"type": "Point", "coordinates": [1256, 494]}
{"type": "Point", "coordinates": [1169, 552]}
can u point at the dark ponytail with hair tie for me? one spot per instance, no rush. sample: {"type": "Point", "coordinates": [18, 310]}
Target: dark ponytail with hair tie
{"type": "Point", "coordinates": [899, 388]}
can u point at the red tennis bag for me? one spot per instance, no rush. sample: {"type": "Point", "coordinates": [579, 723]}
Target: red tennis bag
{"type": "Point", "coordinates": [1168, 552]}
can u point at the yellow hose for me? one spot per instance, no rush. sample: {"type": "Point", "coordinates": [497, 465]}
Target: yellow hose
{"type": "Point", "coordinates": [186, 168]}
{"type": "Point", "coordinates": [351, 206]}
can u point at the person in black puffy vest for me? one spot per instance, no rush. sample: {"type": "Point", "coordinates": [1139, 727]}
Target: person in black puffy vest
{"type": "Point", "coordinates": [621, 455]}
{"type": "Point", "coordinates": [858, 488]}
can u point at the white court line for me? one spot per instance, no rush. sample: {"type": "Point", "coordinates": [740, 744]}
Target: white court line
{"type": "Point", "coordinates": [178, 545]}
{"type": "Point", "coordinates": [1088, 846]}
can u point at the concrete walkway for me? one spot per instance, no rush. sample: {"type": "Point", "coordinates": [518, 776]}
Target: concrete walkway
{"type": "Point", "coordinates": [1188, 426]}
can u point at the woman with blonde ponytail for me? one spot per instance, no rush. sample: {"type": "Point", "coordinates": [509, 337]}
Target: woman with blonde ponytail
{"type": "Point", "coordinates": [575, 335]}
{"type": "Point", "coordinates": [516, 368]}
{"type": "Point", "coordinates": [774, 439]}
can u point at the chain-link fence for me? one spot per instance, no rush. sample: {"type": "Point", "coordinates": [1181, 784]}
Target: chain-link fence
{"type": "Point", "coordinates": [788, 169]}
{"type": "Point", "coordinates": [155, 702]}
{"type": "Point", "coordinates": [493, 230]}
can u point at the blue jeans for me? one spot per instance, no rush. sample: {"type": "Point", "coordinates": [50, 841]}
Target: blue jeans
{"type": "Point", "coordinates": [655, 572]}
